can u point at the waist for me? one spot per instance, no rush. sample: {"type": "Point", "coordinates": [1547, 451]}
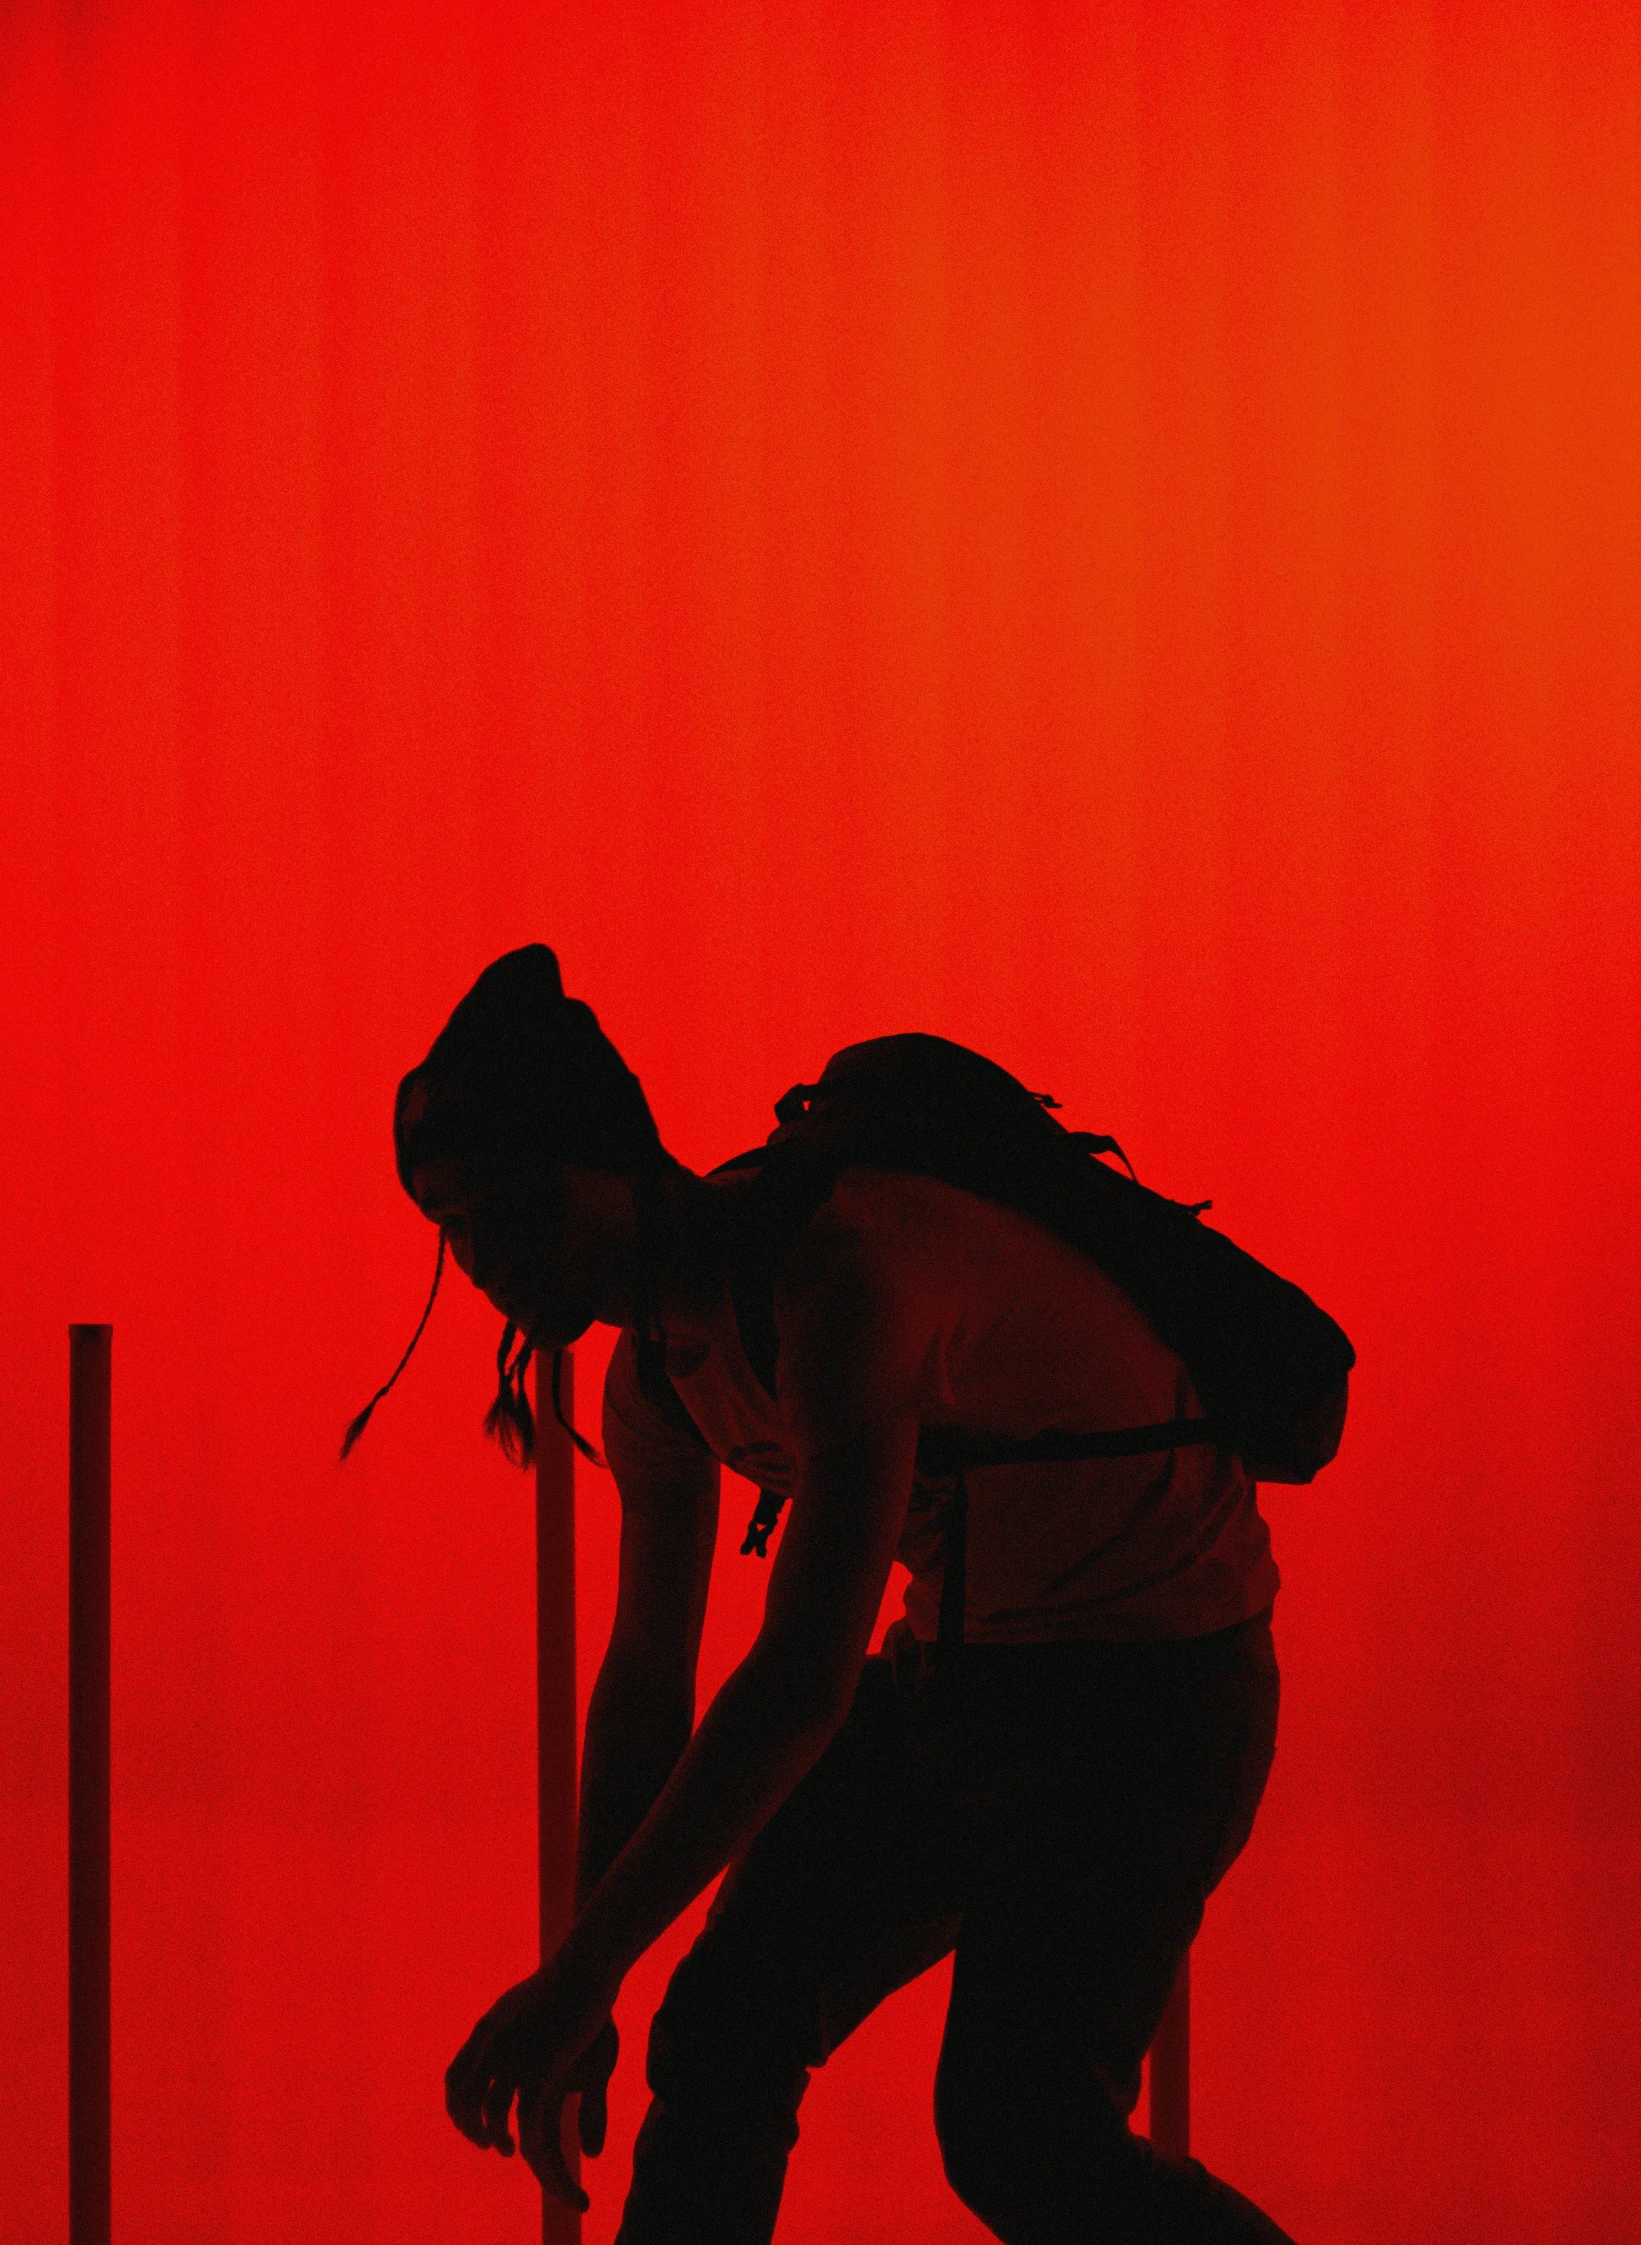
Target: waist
{"type": "Point", "coordinates": [1092, 1658]}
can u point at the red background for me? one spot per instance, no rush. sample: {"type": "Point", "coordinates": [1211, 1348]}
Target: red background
{"type": "Point", "coordinates": [1113, 534]}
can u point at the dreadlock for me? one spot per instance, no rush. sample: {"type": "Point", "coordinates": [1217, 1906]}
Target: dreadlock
{"type": "Point", "coordinates": [360, 1423]}
{"type": "Point", "coordinates": [510, 1420]}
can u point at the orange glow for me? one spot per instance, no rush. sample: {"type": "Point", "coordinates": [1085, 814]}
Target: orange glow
{"type": "Point", "coordinates": [1110, 534]}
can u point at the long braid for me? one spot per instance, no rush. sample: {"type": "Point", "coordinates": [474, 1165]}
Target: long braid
{"type": "Point", "coordinates": [509, 1419]}
{"type": "Point", "coordinates": [360, 1423]}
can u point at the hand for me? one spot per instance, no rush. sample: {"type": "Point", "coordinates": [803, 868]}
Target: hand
{"type": "Point", "coordinates": [546, 2038]}
{"type": "Point", "coordinates": [541, 2117]}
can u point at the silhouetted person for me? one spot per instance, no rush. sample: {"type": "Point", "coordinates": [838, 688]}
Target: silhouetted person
{"type": "Point", "coordinates": [1058, 1817]}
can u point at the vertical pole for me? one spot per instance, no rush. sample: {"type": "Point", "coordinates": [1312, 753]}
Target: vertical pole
{"type": "Point", "coordinates": [1171, 2072]}
{"type": "Point", "coordinates": [90, 1362]}
{"type": "Point", "coordinates": [555, 1714]}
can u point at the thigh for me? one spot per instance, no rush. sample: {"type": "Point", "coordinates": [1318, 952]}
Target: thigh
{"type": "Point", "coordinates": [1083, 1905]}
{"type": "Point", "coordinates": [847, 1893]}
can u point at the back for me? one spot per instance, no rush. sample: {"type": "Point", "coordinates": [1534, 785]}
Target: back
{"type": "Point", "coordinates": [1026, 1335]}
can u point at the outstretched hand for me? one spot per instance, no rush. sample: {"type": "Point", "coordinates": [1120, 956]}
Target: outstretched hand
{"type": "Point", "coordinates": [543, 2041]}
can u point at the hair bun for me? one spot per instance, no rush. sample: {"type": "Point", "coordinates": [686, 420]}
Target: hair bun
{"type": "Point", "coordinates": [522, 1073]}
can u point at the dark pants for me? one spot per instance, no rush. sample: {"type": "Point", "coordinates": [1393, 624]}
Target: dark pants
{"type": "Point", "coordinates": [1058, 1814]}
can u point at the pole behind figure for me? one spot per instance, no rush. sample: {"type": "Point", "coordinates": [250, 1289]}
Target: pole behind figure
{"type": "Point", "coordinates": [556, 1714]}
{"type": "Point", "coordinates": [90, 1383]}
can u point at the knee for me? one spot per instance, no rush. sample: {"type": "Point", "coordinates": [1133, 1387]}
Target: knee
{"type": "Point", "coordinates": [715, 2048]}
{"type": "Point", "coordinates": [977, 2165]}
{"type": "Point", "coordinates": [977, 2142]}
{"type": "Point", "coordinates": [1012, 2151]}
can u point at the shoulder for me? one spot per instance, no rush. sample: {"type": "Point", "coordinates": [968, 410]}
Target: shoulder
{"type": "Point", "coordinates": [884, 1237]}
{"type": "Point", "coordinates": [845, 1264]}
{"type": "Point", "coordinates": [856, 1314]}
{"type": "Point", "coordinates": [643, 1440]}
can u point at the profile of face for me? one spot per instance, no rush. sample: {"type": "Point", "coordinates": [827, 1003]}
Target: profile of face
{"type": "Point", "coordinates": [522, 1241]}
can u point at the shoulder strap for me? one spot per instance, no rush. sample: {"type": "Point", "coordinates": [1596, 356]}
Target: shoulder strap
{"type": "Point", "coordinates": [787, 1198]}
{"type": "Point", "coordinates": [791, 1184]}
{"type": "Point", "coordinates": [952, 1450]}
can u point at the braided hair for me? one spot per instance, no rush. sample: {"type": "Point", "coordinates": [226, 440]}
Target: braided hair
{"type": "Point", "coordinates": [520, 1076]}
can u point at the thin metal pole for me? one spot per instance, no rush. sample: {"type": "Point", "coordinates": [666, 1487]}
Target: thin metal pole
{"type": "Point", "coordinates": [90, 1384]}
{"type": "Point", "coordinates": [1171, 2072]}
{"type": "Point", "coordinates": [555, 1714]}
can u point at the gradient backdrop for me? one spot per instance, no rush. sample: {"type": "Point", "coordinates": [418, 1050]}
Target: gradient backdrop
{"type": "Point", "coordinates": [1110, 533]}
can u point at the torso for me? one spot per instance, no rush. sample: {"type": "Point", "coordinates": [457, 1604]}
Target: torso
{"type": "Point", "coordinates": [1019, 1334]}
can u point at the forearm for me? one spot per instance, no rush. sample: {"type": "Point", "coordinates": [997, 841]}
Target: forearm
{"type": "Point", "coordinates": [636, 1730]}
{"type": "Point", "coordinates": [755, 1742]}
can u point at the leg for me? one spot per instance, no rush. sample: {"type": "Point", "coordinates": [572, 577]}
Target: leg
{"type": "Point", "coordinates": [841, 1899]}
{"type": "Point", "coordinates": [1069, 1949]}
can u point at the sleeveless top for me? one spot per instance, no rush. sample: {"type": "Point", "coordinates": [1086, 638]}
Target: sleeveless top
{"type": "Point", "coordinates": [1027, 1336]}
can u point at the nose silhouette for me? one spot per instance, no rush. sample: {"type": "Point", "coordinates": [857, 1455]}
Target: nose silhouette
{"type": "Point", "coordinates": [494, 1276]}
{"type": "Point", "coordinates": [481, 1263]}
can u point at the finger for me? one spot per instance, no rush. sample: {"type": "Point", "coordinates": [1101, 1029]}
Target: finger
{"type": "Point", "coordinates": [493, 2112]}
{"type": "Point", "coordinates": [533, 2125]}
{"type": "Point", "coordinates": [486, 2067]}
{"type": "Point", "coordinates": [562, 2183]}
{"type": "Point", "coordinates": [469, 2103]}
{"type": "Point", "coordinates": [461, 2099]}
{"type": "Point", "coordinates": [468, 2076]}
{"type": "Point", "coordinates": [591, 2077]}
{"type": "Point", "coordinates": [471, 2098]}
{"type": "Point", "coordinates": [541, 2139]}
{"type": "Point", "coordinates": [552, 2171]}
{"type": "Point", "coordinates": [487, 2062]}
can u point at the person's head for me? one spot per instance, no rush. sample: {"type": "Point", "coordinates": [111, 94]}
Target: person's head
{"type": "Point", "coordinates": [551, 1246]}
{"type": "Point", "coordinates": [526, 1138]}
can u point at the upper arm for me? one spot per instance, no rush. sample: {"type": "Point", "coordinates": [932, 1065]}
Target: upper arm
{"type": "Point", "coordinates": [668, 1486]}
{"type": "Point", "coordinates": [852, 1341]}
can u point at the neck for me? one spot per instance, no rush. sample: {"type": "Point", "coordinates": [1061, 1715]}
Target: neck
{"type": "Point", "coordinates": [691, 1223]}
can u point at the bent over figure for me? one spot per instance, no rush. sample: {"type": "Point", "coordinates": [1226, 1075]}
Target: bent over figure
{"type": "Point", "coordinates": [1054, 1809]}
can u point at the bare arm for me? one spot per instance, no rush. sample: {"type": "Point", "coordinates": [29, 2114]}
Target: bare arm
{"type": "Point", "coordinates": [643, 1705]}
{"type": "Point", "coordinates": [848, 1358]}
